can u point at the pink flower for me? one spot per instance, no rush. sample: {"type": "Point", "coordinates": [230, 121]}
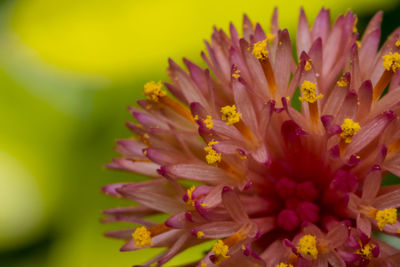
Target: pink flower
{"type": "Point", "coordinates": [230, 159]}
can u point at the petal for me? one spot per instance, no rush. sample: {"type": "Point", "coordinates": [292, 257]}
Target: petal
{"type": "Point", "coordinates": [372, 184]}
{"type": "Point", "coordinates": [140, 167]}
{"type": "Point", "coordinates": [233, 205]}
{"type": "Point", "coordinates": [368, 133]}
{"type": "Point", "coordinates": [217, 229]}
{"type": "Point", "coordinates": [199, 172]}
{"type": "Point", "coordinates": [388, 200]}
{"type": "Point", "coordinates": [303, 34]}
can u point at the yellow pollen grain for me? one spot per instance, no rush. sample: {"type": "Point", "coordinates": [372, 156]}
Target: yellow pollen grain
{"type": "Point", "coordinates": [230, 115]}
{"type": "Point", "coordinates": [203, 264]}
{"type": "Point", "coordinates": [236, 74]}
{"type": "Point", "coordinates": [189, 193]}
{"type": "Point", "coordinates": [240, 155]}
{"type": "Point", "coordinates": [308, 246]}
{"type": "Point", "coordinates": [386, 216]}
{"type": "Point", "coordinates": [142, 237]}
{"type": "Point", "coordinates": [358, 44]}
{"type": "Point", "coordinates": [196, 118]}
{"type": "Point", "coordinates": [220, 251]}
{"type": "Point", "coordinates": [260, 49]}
{"type": "Point", "coordinates": [342, 82]}
{"type": "Point", "coordinates": [309, 91]}
{"type": "Point", "coordinates": [199, 234]}
{"type": "Point", "coordinates": [284, 265]}
{"type": "Point", "coordinates": [397, 44]}
{"type": "Point", "coordinates": [391, 61]}
{"type": "Point", "coordinates": [212, 156]}
{"type": "Point", "coordinates": [366, 251]}
{"type": "Point", "coordinates": [209, 123]}
{"type": "Point", "coordinates": [307, 67]}
{"type": "Point", "coordinates": [152, 91]}
{"type": "Point", "coordinates": [270, 37]}
{"type": "Point", "coordinates": [349, 129]}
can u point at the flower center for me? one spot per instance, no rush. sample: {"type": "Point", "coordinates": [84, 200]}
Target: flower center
{"type": "Point", "coordinates": [299, 206]}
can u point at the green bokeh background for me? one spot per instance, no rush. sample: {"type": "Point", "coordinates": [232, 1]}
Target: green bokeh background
{"type": "Point", "coordinates": [68, 69]}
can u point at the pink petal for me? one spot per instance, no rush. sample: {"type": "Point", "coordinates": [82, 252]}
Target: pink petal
{"type": "Point", "coordinates": [372, 184]}
{"type": "Point", "coordinates": [233, 205]}
{"type": "Point", "coordinates": [303, 34]}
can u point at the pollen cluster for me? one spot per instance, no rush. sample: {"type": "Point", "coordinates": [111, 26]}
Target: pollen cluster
{"type": "Point", "coordinates": [386, 216]}
{"type": "Point", "coordinates": [230, 115]}
{"type": "Point", "coordinates": [366, 251]}
{"type": "Point", "coordinates": [309, 92]}
{"type": "Point", "coordinates": [212, 156]}
{"type": "Point", "coordinates": [391, 61]}
{"type": "Point", "coordinates": [142, 237]}
{"type": "Point", "coordinates": [308, 246]}
{"type": "Point", "coordinates": [189, 193]}
{"type": "Point", "coordinates": [220, 251]}
{"type": "Point", "coordinates": [209, 123]}
{"type": "Point", "coordinates": [152, 91]}
{"type": "Point", "coordinates": [349, 129]}
{"type": "Point", "coordinates": [260, 50]}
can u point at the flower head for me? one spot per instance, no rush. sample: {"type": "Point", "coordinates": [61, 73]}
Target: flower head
{"type": "Point", "coordinates": [229, 160]}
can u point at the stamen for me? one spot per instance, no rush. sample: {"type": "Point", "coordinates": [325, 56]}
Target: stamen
{"type": "Point", "coordinates": [233, 239]}
{"type": "Point", "coordinates": [386, 216]}
{"type": "Point", "coordinates": [230, 115]}
{"type": "Point", "coordinates": [158, 229]}
{"type": "Point", "coordinates": [269, 75]}
{"type": "Point", "coordinates": [209, 123]}
{"type": "Point", "coordinates": [307, 66]}
{"type": "Point", "coordinates": [270, 37]}
{"type": "Point", "coordinates": [391, 63]}
{"type": "Point", "coordinates": [366, 251]}
{"type": "Point", "coordinates": [212, 156]}
{"type": "Point", "coordinates": [152, 91]}
{"type": "Point", "coordinates": [349, 129]}
{"type": "Point", "coordinates": [261, 53]}
{"type": "Point", "coordinates": [284, 265]}
{"type": "Point", "coordinates": [177, 107]}
{"type": "Point", "coordinates": [308, 246]}
{"type": "Point", "coordinates": [236, 74]}
{"type": "Point", "coordinates": [189, 201]}
{"type": "Point", "coordinates": [142, 237]}
{"type": "Point", "coordinates": [220, 251]}
{"type": "Point", "coordinates": [343, 82]}
{"type": "Point", "coordinates": [260, 49]}
{"type": "Point", "coordinates": [199, 234]}
{"type": "Point", "coordinates": [309, 92]}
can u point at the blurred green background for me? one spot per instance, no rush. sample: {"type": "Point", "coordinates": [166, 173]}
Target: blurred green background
{"type": "Point", "coordinates": [68, 69]}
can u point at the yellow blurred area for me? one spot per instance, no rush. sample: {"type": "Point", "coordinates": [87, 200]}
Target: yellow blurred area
{"type": "Point", "coordinates": [68, 69]}
{"type": "Point", "coordinates": [119, 38]}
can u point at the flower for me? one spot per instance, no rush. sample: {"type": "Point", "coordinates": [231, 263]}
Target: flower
{"type": "Point", "coordinates": [229, 159]}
